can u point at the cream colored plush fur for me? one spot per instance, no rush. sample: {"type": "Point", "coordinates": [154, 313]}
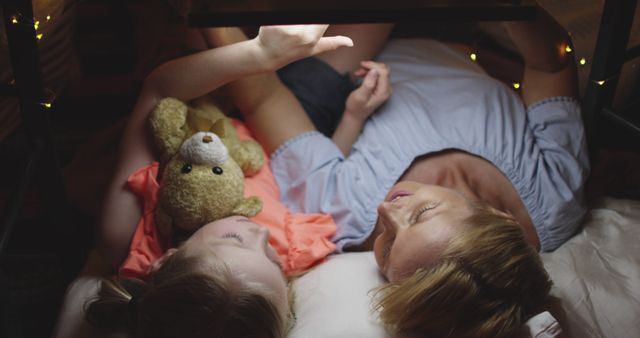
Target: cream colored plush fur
{"type": "Point", "coordinates": [204, 164]}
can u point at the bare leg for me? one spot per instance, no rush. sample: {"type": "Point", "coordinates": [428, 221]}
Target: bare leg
{"type": "Point", "coordinates": [368, 40]}
{"type": "Point", "coordinates": [263, 100]}
{"type": "Point", "coordinates": [266, 102]}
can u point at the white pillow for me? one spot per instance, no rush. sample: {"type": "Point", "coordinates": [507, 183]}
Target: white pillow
{"type": "Point", "coordinates": [333, 301]}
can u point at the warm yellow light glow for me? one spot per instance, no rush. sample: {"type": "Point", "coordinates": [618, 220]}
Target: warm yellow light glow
{"type": "Point", "coordinates": [39, 36]}
{"type": "Point", "coordinates": [583, 61]}
{"type": "Point", "coordinates": [47, 105]}
{"type": "Point", "coordinates": [14, 20]}
{"type": "Point", "coordinates": [473, 56]}
{"type": "Point", "coordinates": [601, 82]}
{"type": "Point", "coordinates": [48, 17]}
{"type": "Point", "coordinates": [568, 49]}
{"type": "Point", "coordinates": [36, 25]}
{"type": "Point", "coordinates": [516, 85]}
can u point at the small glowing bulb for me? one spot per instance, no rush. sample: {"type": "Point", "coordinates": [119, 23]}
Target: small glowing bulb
{"type": "Point", "coordinates": [473, 56]}
{"type": "Point", "coordinates": [516, 85]}
{"type": "Point", "coordinates": [601, 82]}
{"type": "Point", "coordinates": [48, 17]}
{"type": "Point", "coordinates": [47, 105]}
{"type": "Point", "coordinates": [39, 36]}
{"type": "Point", "coordinates": [583, 61]}
{"type": "Point", "coordinates": [36, 25]}
{"type": "Point", "coordinates": [14, 20]}
{"type": "Point", "coordinates": [568, 49]}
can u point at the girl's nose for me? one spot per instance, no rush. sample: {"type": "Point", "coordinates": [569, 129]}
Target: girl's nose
{"type": "Point", "coordinates": [262, 234]}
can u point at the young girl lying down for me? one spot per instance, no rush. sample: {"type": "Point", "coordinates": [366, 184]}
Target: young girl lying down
{"type": "Point", "coordinates": [455, 183]}
{"type": "Point", "coordinates": [225, 280]}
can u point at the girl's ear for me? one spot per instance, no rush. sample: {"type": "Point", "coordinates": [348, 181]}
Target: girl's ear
{"type": "Point", "coordinates": [155, 266]}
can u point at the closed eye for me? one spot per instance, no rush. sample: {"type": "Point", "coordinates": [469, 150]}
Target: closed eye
{"type": "Point", "coordinates": [234, 236]}
{"type": "Point", "coordinates": [386, 251]}
{"type": "Point", "coordinates": [422, 210]}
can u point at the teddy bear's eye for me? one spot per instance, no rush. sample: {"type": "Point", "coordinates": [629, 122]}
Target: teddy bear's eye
{"type": "Point", "coordinates": [186, 168]}
{"type": "Point", "coordinates": [217, 170]}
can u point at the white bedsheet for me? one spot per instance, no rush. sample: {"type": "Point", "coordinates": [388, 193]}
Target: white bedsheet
{"type": "Point", "coordinates": [596, 275]}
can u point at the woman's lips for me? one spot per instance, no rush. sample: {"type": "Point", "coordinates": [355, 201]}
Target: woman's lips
{"type": "Point", "coordinates": [398, 194]}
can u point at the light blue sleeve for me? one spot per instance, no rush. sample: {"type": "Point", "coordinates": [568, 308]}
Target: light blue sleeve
{"type": "Point", "coordinates": [314, 177]}
{"type": "Point", "coordinates": [303, 167]}
{"type": "Point", "coordinates": [561, 168]}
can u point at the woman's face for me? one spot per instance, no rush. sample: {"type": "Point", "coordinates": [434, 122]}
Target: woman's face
{"type": "Point", "coordinates": [418, 221]}
{"type": "Point", "coordinates": [244, 247]}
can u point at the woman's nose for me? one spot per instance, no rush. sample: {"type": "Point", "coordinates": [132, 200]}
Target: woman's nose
{"type": "Point", "coordinates": [391, 216]}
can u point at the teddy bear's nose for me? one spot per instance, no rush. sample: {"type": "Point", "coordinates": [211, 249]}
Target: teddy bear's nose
{"type": "Point", "coordinates": [207, 139]}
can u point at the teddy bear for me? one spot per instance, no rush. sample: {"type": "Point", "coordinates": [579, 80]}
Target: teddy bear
{"type": "Point", "coordinates": [203, 163]}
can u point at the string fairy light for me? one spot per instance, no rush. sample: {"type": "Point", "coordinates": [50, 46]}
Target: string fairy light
{"type": "Point", "coordinates": [583, 61]}
{"type": "Point", "coordinates": [473, 56]}
{"type": "Point", "coordinates": [568, 49]}
{"type": "Point", "coordinates": [601, 82]}
{"type": "Point", "coordinates": [516, 85]}
{"type": "Point", "coordinates": [20, 19]}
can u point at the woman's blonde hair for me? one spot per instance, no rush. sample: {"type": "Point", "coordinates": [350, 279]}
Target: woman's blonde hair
{"type": "Point", "coordinates": [179, 300]}
{"type": "Point", "coordinates": [486, 283]}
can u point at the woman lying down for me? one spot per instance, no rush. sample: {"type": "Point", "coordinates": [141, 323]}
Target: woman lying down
{"type": "Point", "coordinates": [455, 182]}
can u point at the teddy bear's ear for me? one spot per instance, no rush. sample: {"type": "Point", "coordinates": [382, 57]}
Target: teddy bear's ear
{"type": "Point", "coordinates": [249, 207]}
{"type": "Point", "coordinates": [219, 128]}
{"type": "Point", "coordinates": [167, 121]}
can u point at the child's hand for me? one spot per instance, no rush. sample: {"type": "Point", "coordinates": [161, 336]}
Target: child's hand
{"type": "Point", "coordinates": [284, 44]}
{"type": "Point", "coordinates": [373, 92]}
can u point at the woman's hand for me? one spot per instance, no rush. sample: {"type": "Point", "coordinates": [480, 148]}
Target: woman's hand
{"type": "Point", "coordinates": [284, 44]}
{"type": "Point", "coordinates": [373, 92]}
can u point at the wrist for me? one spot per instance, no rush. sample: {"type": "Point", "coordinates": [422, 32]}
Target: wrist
{"type": "Point", "coordinates": [352, 119]}
{"type": "Point", "coordinates": [261, 57]}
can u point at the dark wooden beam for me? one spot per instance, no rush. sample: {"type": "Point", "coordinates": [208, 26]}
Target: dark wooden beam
{"type": "Point", "coordinates": [210, 13]}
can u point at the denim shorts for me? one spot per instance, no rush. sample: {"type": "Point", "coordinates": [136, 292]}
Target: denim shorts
{"type": "Point", "coordinates": [321, 90]}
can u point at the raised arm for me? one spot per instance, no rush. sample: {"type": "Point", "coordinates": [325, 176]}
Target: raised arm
{"type": "Point", "coordinates": [187, 78]}
{"type": "Point", "coordinates": [549, 69]}
{"type": "Point", "coordinates": [275, 115]}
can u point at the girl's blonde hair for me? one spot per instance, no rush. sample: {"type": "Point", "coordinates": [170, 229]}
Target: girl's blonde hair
{"type": "Point", "coordinates": [486, 283]}
{"type": "Point", "coordinates": [179, 300]}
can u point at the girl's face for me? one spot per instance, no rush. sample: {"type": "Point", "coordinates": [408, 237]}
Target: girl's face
{"type": "Point", "coordinates": [244, 247]}
{"type": "Point", "coordinates": [418, 221]}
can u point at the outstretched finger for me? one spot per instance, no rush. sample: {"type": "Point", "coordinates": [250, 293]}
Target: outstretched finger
{"type": "Point", "coordinates": [330, 43]}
